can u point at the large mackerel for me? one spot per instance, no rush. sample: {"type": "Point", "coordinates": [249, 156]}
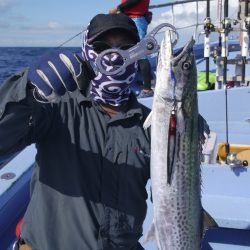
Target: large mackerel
{"type": "Point", "coordinates": [177, 134]}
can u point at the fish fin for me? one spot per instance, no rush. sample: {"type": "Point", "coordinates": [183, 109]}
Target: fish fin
{"type": "Point", "coordinates": [208, 222]}
{"type": "Point", "coordinates": [148, 121]}
{"type": "Point", "coordinates": [150, 235]}
{"type": "Point", "coordinates": [204, 130]}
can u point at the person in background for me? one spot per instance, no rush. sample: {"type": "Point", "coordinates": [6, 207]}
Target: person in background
{"type": "Point", "coordinates": [88, 188]}
{"type": "Point", "coordinates": [138, 11]}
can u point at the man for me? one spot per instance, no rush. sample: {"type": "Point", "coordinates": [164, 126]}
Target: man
{"type": "Point", "coordinates": [138, 11]}
{"type": "Point", "coordinates": [92, 165]}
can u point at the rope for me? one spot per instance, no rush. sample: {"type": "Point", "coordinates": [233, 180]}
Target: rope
{"type": "Point", "coordinates": [174, 3]}
{"type": "Point", "coordinates": [71, 38]}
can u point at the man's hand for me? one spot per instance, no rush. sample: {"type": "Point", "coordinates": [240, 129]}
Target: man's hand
{"type": "Point", "coordinates": [55, 73]}
{"type": "Point", "coordinates": [114, 10]}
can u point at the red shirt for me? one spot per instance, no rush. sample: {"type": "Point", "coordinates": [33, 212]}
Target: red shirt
{"type": "Point", "coordinates": [138, 9]}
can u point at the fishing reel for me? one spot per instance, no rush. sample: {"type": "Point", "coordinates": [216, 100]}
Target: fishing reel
{"type": "Point", "coordinates": [227, 25]}
{"type": "Point", "coordinates": [247, 24]}
{"type": "Point", "coordinates": [233, 161]}
{"type": "Point", "coordinates": [208, 26]}
{"type": "Point", "coordinates": [235, 22]}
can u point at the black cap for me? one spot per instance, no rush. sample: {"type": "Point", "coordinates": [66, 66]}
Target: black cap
{"type": "Point", "coordinates": [105, 22]}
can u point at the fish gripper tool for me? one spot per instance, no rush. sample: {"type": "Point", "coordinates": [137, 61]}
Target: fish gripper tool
{"type": "Point", "coordinates": [148, 45]}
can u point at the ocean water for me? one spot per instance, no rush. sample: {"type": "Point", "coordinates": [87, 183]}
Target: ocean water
{"type": "Point", "coordinates": [15, 59]}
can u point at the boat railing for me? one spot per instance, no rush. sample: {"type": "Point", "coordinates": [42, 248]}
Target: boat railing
{"type": "Point", "coordinates": [235, 28]}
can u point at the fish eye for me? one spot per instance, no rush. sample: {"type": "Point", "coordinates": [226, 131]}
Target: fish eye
{"type": "Point", "coordinates": [186, 65]}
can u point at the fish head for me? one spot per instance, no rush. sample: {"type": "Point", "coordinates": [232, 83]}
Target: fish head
{"type": "Point", "coordinates": [163, 67]}
{"type": "Point", "coordinates": [184, 72]}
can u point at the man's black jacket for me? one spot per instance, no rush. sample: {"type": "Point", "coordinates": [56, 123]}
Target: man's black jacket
{"type": "Point", "coordinates": [88, 186]}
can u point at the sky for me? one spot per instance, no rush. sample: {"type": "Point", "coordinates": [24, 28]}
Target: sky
{"type": "Point", "coordinates": [33, 23]}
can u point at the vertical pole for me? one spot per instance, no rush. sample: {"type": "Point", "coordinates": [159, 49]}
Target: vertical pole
{"type": "Point", "coordinates": [207, 42]}
{"type": "Point", "coordinates": [224, 55]}
{"type": "Point", "coordinates": [245, 38]}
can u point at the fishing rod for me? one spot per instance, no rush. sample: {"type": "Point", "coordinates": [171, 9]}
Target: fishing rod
{"type": "Point", "coordinates": [245, 39]}
{"type": "Point", "coordinates": [224, 53]}
{"type": "Point", "coordinates": [218, 50]}
{"type": "Point", "coordinates": [208, 28]}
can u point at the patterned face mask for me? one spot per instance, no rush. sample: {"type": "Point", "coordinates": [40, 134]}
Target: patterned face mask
{"type": "Point", "coordinates": [111, 90]}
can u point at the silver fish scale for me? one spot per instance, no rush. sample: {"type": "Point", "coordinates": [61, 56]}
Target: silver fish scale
{"type": "Point", "coordinates": [177, 207]}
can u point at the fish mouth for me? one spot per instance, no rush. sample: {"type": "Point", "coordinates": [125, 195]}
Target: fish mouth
{"type": "Point", "coordinates": [177, 55]}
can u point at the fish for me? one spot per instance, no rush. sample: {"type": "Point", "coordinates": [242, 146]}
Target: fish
{"type": "Point", "coordinates": [177, 135]}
